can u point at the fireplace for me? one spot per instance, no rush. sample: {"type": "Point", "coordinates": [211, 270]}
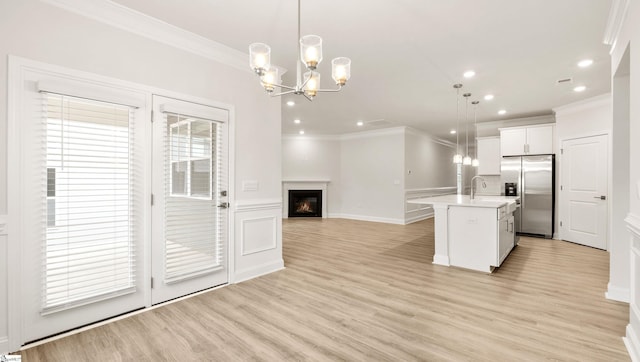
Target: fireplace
{"type": "Point", "coordinates": [305, 203]}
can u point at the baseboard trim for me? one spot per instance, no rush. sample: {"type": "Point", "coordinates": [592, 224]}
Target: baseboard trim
{"type": "Point", "coordinates": [258, 271]}
{"type": "Point", "coordinates": [632, 343]}
{"type": "Point", "coordinates": [411, 220]}
{"type": "Point", "coordinates": [441, 260]}
{"type": "Point", "coordinates": [618, 294]}
{"type": "Point", "coordinates": [367, 218]}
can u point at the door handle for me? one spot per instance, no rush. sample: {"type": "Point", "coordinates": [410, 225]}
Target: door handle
{"type": "Point", "coordinates": [600, 197]}
{"type": "Point", "coordinates": [224, 205]}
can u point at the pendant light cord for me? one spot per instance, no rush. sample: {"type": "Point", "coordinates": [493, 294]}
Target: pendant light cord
{"type": "Point", "coordinates": [466, 123]}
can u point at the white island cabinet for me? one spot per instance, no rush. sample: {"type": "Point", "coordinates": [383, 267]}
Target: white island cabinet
{"type": "Point", "coordinates": [474, 234]}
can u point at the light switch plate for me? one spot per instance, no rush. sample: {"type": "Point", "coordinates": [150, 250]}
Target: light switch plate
{"type": "Point", "coordinates": [249, 185]}
{"type": "Point", "coordinates": [638, 184]}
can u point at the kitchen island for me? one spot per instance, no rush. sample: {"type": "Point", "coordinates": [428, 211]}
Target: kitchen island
{"type": "Point", "coordinates": [474, 233]}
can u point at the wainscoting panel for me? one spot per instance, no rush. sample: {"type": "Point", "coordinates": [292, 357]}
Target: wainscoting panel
{"type": "Point", "coordinates": [4, 292]}
{"type": "Point", "coordinates": [415, 212]}
{"type": "Point", "coordinates": [258, 239]}
{"type": "Point", "coordinates": [632, 339]}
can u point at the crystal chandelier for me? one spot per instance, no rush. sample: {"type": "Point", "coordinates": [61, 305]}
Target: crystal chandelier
{"type": "Point", "coordinates": [308, 85]}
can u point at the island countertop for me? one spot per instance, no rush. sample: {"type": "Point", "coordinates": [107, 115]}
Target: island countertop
{"type": "Point", "coordinates": [465, 200]}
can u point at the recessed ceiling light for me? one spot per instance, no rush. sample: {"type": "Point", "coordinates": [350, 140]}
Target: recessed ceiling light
{"type": "Point", "coordinates": [360, 123]}
{"type": "Point", "coordinates": [301, 131]}
{"type": "Point", "coordinates": [296, 121]}
{"type": "Point", "coordinates": [502, 111]}
{"type": "Point", "coordinates": [469, 73]}
{"type": "Point", "coordinates": [453, 131]}
{"type": "Point", "coordinates": [579, 88]}
{"type": "Point", "coordinates": [291, 103]}
{"type": "Point", "coordinates": [488, 97]}
{"type": "Point", "coordinates": [585, 63]}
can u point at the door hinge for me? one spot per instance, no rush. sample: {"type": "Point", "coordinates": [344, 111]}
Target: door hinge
{"type": "Point", "coordinates": [561, 188]}
{"type": "Point", "coordinates": [562, 151]}
{"type": "Point", "coordinates": [152, 116]}
{"type": "Point", "coordinates": [151, 283]}
{"type": "Point", "coordinates": [560, 223]}
{"type": "Point", "coordinates": [151, 199]}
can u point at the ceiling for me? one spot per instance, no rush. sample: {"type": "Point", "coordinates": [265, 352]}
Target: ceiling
{"type": "Point", "coordinates": [407, 54]}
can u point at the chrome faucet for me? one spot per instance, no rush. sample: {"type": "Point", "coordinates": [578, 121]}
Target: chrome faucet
{"type": "Point", "coordinates": [472, 195]}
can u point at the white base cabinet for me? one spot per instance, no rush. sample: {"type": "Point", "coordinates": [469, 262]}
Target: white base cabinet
{"type": "Point", "coordinates": [479, 238]}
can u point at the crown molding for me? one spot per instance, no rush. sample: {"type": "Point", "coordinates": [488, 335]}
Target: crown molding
{"type": "Point", "coordinates": [138, 23]}
{"type": "Point", "coordinates": [602, 100]}
{"type": "Point", "coordinates": [319, 137]}
{"type": "Point", "coordinates": [617, 14]}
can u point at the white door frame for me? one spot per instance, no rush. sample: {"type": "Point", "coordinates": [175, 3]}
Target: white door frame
{"type": "Point", "coordinates": [17, 69]}
{"type": "Point", "coordinates": [561, 202]}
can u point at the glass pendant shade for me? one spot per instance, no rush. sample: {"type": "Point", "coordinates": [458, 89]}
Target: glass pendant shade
{"type": "Point", "coordinates": [457, 159]}
{"type": "Point", "coordinates": [341, 70]}
{"type": "Point", "coordinates": [259, 57]}
{"type": "Point", "coordinates": [475, 162]}
{"type": "Point", "coordinates": [270, 79]}
{"type": "Point", "coordinates": [312, 85]}
{"type": "Point", "coordinates": [311, 51]}
{"type": "Point", "coordinates": [466, 160]}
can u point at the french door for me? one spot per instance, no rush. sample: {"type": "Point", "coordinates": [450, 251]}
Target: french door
{"type": "Point", "coordinates": [189, 213]}
{"type": "Point", "coordinates": [94, 247]}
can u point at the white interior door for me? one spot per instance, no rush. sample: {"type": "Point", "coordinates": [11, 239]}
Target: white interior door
{"type": "Point", "coordinates": [189, 213]}
{"type": "Point", "coordinates": [584, 191]}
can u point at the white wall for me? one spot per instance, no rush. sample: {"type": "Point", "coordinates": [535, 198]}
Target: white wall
{"type": "Point", "coordinates": [588, 117]}
{"type": "Point", "coordinates": [314, 158]}
{"type": "Point", "coordinates": [35, 30]}
{"type": "Point", "coordinates": [627, 14]}
{"type": "Point", "coordinates": [372, 173]}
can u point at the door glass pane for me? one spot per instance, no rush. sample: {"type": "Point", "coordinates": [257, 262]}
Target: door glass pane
{"type": "Point", "coordinates": [192, 240]}
{"type": "Point", "coordinates": [89, 249]}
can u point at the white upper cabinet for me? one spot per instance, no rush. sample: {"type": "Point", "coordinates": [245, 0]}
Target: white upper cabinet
{"type": "Point", "coordinates": [531, 140]}
{"type": "Point", "coordinates": [489, 155]}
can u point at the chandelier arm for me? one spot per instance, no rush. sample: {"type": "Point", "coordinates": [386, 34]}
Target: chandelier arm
{"type": "Point", "coordinates": [282, 93]}
{"type": "Point", "coordinates": [280, 86]}
{"type": "Point", "coordinates": [329, 90]}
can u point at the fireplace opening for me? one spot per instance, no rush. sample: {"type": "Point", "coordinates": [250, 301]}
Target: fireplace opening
{"type": "Point", "coordinates": [305, 203]}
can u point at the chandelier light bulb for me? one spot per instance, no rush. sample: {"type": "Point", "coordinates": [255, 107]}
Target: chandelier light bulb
{"type": "Point", "coordinates": [312, 85]}
{"type": "Point", "coordinates": [457, 159]}
{"type": "Point", "coordinates": [311, 51]}
{"type": "Point", "coordinates": [270, 79]}
{"type": "Point", "coordinates": [466, 160]}
{"type": "Point", "coordinates": [259, 57]}
{"type": "Point", "coordinates": [475, 162]}
{"type": "Point", "coordinates": [341, 70]}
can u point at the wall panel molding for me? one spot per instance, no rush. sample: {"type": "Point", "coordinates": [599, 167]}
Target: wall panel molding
{"type": "Point", "coordinates": [631, 340]}
{"type": "Point", "coordinates": [258, 239]}
{"type": "Point", "coordinates": [415, 212]}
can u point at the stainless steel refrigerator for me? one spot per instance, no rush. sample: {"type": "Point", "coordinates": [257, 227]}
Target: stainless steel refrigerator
{"type": "Point", "coordinates": [534, 178]}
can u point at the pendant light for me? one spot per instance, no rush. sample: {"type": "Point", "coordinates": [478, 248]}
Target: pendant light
{"type": "Point", "coordinates": [457, 159]}
{"type": "Point", "coordinates": [467, 159]}
{"type": "Point", "coordinates": [475, 162]}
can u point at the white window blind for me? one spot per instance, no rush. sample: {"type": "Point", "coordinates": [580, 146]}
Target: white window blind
{"type": "Point", "coordinates": [193, 224]}
{"type": "Point", "coordinates": [89, 248]}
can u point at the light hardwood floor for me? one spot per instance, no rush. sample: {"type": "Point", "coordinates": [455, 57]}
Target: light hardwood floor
{"type": "Point", "coordinates": [363, 291]}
